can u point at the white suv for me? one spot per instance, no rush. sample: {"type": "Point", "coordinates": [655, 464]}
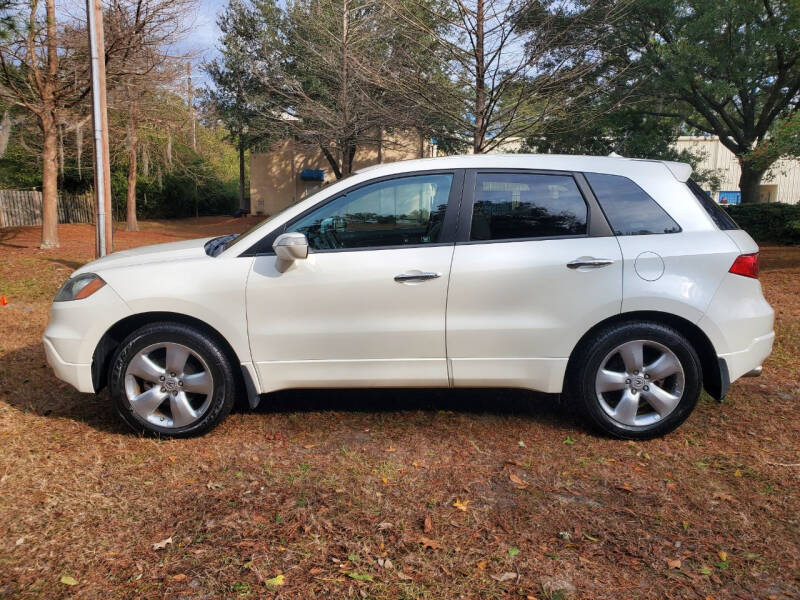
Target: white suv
{"type": "Point", "coordinates": [615, 281]}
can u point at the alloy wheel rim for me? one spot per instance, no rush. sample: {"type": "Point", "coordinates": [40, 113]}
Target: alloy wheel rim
{"type": "Point", "coordinates": [169, 385]}
{"type": "Point", "coordinates": [640, 383]}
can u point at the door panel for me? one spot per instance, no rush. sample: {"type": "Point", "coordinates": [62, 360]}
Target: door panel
{"type": "Point", "coordinates": [341, 319]}
{"type": "Point", "coordinates": [516, 308]}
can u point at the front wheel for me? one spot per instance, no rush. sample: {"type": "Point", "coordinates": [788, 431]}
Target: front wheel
{"type": "Point", "coordinates": [171, 380]}
{"type": "Point", "coordinates": [636, 380]}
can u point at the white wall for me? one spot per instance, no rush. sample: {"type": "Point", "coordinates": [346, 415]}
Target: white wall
{"type": "Point", "coordinates": [785, 174]}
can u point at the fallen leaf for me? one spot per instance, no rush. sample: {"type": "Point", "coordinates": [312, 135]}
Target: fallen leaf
{"type": "Point", "coordinates": [737, 473]}
{"type": "Point", "coordinates": [482, 564]}
{"type": "Point", "coordinates": [390, 449]}
{"type": "Point", "coordinates": [401, 575]}
{"type": "Point", "coordinates": [590, 538]}
{"type": "Point", "coordinates": [162, 544]}
{"type": "Point", "coordinates": [427, 526]}
{"type": "Point", "coordinates": [67, 580]}
{"type": "Point", "coordinates": [360, 576]}
{"type": "Point", "coordinates": [704, 570]}
{"type": "Point", "coordinates": [384, 525]}
{"type": "Point", "coordinates": [385, 480]}
{"type": "Point", "coordinates": [20, 541]}
{"type": "Point", "coordinates": [462, 506]}
{"type": "Point", "coordinates": [275, 581]}
{"type": "Point", "coordinates": [429, 543]}
{"type": "Point", "coordinates": [674, 564]}
{"type": "Point", "coordinates": [508, 576]}
{"type": "Point", "coordinates": [723, 556]}
{"type": "Point", "coordinates": [517, 481]}
{"type": "Point", "coordinates": [310, 446]}
{"type": "Point", "coordinates": [214, 485]}
{"type": "Point", "coordinates": [179, 577]}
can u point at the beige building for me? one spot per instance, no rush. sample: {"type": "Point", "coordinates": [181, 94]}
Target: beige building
{"type": "Point", "coordinates": [288, 172]}
{"type": "Point", "coordinates": [780, 184]}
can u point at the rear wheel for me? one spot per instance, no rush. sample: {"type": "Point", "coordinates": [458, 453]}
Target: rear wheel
{"type": "Point", "coordinates": [636, 380]}
{"type": "Point", "coordinates": [171, 380]}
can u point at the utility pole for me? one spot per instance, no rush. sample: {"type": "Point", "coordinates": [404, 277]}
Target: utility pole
{"type": "Point", "coordinates": [191, 106]}
{"type": "Point", "coordinates": [102, 161]}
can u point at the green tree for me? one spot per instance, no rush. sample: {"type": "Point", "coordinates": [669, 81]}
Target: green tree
{"type": "Point", "coordinates": [730, 68]}
{"type": "Point", "coordinates": [250, 45]}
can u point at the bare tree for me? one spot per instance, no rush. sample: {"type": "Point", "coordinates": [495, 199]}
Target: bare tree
{"type": "Point", "coordinates": [513, 63]}
{"type": "Point", "coordinates": [146, 62]}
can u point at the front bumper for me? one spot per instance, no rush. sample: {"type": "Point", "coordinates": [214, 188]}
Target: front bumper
{"type": "Point", "coordinates": [78, 376]}
{"type": "Point", "coordinates": [74, 330]}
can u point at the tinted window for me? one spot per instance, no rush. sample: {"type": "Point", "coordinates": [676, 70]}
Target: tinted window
{"type": "Point", "coordinates": [722, 219]}
{"type": "Point", "coordinates": [397, 212]}
{"type": "Point", "coordinates": [628, 208]}
{"type": "Point", "coordinates": [518, 205]}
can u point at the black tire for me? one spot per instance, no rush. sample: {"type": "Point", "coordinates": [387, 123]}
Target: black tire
{"type": "Point", "coordinates": [583, 372]}
{"type": "Point", "coordinates": [217, 404]}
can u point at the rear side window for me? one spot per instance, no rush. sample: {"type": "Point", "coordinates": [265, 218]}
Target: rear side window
{"type": "Point", "coordinates": [521, 205]}
{"type": "Point", "coordinates": [721, 218]}
{"type": "Point", "coordinates": [628, 208]}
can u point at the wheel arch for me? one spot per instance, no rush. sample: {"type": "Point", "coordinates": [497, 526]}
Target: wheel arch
{"type": "Point", "coordinates": [111, 339]}
{"type": "Point", "coordinates": [715, 372]}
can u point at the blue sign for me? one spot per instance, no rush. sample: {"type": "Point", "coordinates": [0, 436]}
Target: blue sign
{"type": "Point", "coordinates": [730, 197]}
{"type": "Point", "coordinates": [312, 175]}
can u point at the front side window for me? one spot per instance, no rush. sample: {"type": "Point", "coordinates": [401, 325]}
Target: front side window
{"type": "Point", "coordinates": [526, 205]}
{"type": "Point", "coordinates": [628, 208]}
{"type": "Point", "coordinates": [397, 212]}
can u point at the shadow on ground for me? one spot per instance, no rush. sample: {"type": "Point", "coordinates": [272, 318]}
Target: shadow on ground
{"type": "Point", "coordinates": [28, 384]}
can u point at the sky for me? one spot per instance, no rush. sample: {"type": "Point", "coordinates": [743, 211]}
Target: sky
{"type": "Point", "coordinates": [205, 32]}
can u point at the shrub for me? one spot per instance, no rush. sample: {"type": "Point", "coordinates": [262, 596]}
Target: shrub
{"type": "Point", "coordinates": [768, 223]}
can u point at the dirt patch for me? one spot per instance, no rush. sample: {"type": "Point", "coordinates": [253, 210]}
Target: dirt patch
{"type": "Point", "coordinates": [402, 494]}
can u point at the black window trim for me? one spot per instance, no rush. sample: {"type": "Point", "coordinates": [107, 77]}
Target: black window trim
{"type": "Point", "coordinates": [600, 206]}
{"type": "Point", "coordinates": [449, 227]}
{"type": "Point", "coordinates": [596, 223]}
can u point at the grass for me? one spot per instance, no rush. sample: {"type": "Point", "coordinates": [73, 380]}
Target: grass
{"type": "Point", "coordinates": [387, 494]}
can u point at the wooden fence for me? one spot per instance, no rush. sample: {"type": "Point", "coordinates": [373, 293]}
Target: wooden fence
{"type": "Point", "coordinates": [18, 207]}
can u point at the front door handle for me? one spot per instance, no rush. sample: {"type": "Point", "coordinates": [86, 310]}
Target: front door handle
{"type": "Point", "coordinates": [592, 263]}
{"type": "Point", "coordinates": [416, 277]}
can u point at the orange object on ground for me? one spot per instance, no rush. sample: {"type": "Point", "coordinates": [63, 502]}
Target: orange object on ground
{"type": "Point", "coordinates": [3, 301]}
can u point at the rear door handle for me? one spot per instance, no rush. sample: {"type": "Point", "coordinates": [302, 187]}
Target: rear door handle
{"type": "Point", "coordinates": [592, 263]}
{"type": "Point", "coordinates": [414, 277]}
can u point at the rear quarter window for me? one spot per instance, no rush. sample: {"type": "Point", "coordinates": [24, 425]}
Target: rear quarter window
{"type": "Point", "coordinates": [721, 219]}
{"type": "Point", "coordinates": [628, 208]}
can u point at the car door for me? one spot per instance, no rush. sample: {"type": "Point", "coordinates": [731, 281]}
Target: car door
{"type": "Point", "coordinates": [535, 267]}
{"type": "Point", "coordinates": [367, 307]}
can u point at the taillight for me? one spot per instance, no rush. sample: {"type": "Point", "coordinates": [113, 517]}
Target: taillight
{"type": "Point", "coordinates": [745, 264]}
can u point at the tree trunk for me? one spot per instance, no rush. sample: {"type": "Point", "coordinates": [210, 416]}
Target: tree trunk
{"type": "Point", "coordinates": [750, 181]}
{"type": "Point", "coordinates": [5, 133]}
{"type": "Point", "coordinates": [242, 200]}
{"type": "Point", "coordinates": [47, 123]}
{"type": "Point", "coordinates": [480, 84]}
{"type": "Point", "coordinates": [131, 224]}
{"type": "Point", "coordinates": [348, 154]}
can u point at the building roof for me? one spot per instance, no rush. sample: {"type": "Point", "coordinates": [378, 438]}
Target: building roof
{"type": "Point", "coordinates": [556, 162]}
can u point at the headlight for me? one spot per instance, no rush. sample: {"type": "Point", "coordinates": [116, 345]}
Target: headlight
{"type": "Point", "coordinates": [80, 287]}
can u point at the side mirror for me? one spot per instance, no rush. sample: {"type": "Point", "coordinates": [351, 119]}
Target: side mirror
{"type": "Point", "coordinates": [291, 246]}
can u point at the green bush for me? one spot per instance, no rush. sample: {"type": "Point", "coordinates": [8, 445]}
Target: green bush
{"type": "Point", "coordinates": [774, 223]}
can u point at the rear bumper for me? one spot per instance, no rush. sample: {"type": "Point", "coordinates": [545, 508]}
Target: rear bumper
{"type": "Point", "coordinates": [742, 362]}
{"type": "Point", "coordinates": [77, 375]}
